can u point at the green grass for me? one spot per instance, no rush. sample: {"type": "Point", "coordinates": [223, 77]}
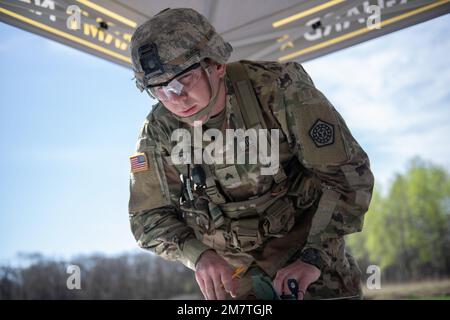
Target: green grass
{"type": "Point", "coordinates": [419, 290]}
{"type": "Point", "coordinates": [444, 297]}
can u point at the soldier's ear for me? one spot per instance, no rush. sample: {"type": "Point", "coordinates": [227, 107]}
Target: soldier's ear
{"type": "Point", "coordinates": [221, 69]}
{"type": "Point", "coordinates": [218, 68]}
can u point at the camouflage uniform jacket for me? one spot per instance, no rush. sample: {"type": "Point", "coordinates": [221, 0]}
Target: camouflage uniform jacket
{"type": "Point", "coordinates": [329, 185]}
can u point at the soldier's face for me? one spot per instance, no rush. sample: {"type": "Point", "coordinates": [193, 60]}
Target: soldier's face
{"type": "Point", "coordinates": [198, 96]}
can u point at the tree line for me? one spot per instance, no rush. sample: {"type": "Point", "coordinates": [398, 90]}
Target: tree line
{"type": "Point", "coordinates": [407, 229]}
{"type": "Point", "coordinates": [128, 276]}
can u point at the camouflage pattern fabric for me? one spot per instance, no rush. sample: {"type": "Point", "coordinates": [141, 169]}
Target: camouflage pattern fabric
{"type": "Point", "coordinates": [329, 187]}
{"type": "Point", "coordinates": [182, 37]}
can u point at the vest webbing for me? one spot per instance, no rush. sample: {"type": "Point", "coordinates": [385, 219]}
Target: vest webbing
{"type": "Point", "coordinates": [245, 95]}
{"type": "Point", "coordinates": [249, 107]}
{"type": "Point", "coordinates": [252, 116]}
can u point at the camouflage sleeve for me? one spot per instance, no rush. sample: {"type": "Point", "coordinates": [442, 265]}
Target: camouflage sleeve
{"type": "Point", "coordinates": [153, 213]}
{"type": "Point", "coordinates": [327, 148]}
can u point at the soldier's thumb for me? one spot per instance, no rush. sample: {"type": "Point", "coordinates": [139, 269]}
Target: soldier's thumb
{"type": "Point", "coordinates": [234, 287]}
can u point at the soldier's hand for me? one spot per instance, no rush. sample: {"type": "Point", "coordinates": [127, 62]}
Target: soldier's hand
{"type": "Point", "coordinates": [214, 276]}
{"type": "Point", "coordinates": [303, 272]}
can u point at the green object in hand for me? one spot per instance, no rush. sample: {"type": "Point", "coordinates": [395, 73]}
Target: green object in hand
{"type": "Point", "coordinates": [264, 290]}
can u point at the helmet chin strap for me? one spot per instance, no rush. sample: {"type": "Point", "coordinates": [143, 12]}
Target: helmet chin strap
{"type": "Point", "coordinates": [208, 110]}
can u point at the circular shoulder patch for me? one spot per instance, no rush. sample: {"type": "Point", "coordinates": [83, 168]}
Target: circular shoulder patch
{"type": "Point", "coordinates": [322, 133]}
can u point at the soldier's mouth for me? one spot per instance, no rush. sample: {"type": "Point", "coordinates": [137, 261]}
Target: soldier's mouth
{"type": "Point", "coordinates": [188, 111]}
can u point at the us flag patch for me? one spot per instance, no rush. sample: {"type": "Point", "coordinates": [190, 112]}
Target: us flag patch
{"type": "Point", "coordinates": [139, 162]}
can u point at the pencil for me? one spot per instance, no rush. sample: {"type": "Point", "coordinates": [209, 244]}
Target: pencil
{"type": "Point", "coordinates": [237, 273]}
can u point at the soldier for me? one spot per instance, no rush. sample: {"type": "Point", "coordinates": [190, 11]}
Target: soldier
{"type": "Point", "coordinates": [221, 218]}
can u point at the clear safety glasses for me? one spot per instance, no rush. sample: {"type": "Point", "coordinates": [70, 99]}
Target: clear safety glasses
{"type": "Point", "coordinates": [183, 82]}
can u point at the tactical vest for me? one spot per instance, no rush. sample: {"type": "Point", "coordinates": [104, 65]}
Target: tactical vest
{"type": "Point", "coordinates": [239, 230]}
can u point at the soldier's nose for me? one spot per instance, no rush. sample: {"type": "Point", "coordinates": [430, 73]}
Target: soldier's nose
{"type": "Point", "coordinates": [177, 98]}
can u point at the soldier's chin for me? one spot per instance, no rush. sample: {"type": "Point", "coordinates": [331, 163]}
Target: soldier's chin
{"type": "Point", "coordinates": [200, 121]}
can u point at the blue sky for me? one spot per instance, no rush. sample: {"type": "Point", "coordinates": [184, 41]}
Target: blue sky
{"type": "Point", "coordinates": [69, 121]}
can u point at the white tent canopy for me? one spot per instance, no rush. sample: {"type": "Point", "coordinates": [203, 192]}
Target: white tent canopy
{"type": "Point", "coordinates": [260, 30]}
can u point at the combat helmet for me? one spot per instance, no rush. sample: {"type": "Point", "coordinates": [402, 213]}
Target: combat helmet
{"type": "Point", "coordinates": [170, 43]}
